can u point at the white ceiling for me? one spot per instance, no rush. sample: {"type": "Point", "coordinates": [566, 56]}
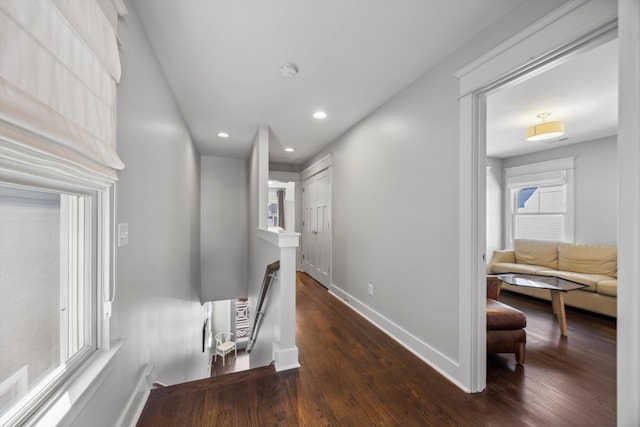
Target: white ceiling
{"type": "Point", "coordinates": [582, 92]}
{"type": "Point", "coordinates": [222, 60]}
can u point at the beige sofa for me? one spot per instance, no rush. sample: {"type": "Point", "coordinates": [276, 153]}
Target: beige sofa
{"type": "Point", "coordinates": [594, 266]}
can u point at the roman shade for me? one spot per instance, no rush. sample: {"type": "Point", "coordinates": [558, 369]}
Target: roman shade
{"type": "Point", "coordinates": [58, 73]}
{"type": "Point", "coordinates": [537, 179]}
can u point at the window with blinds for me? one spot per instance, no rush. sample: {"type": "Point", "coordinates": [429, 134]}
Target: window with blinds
{"type": "Point", "coordinates": [540, 212]}
{"type": "Point", "coordinates": [540, 199]}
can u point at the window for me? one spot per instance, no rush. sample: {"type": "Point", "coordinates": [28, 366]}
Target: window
{"type": "Point", "coordinates": [539, 212]}
{"type": "Point", "coordinates": [47, 292]}
{"type": "Point", "coordinates": [58, 167]}
{"type": "Point", "coordinates": [273, 208]}
{"type": "Point", "coordinates": [540, 201]}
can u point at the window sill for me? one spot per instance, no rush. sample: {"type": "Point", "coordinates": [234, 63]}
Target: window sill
{"type": "Point", "coordinates": [66, 404]}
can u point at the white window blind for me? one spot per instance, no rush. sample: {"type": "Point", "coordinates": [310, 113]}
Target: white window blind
{"type": "Point", "coordinates": [58, 70]}
{"type": "Point", "coordinates": [541, 201]}
{"type": "Point", "coordinates": [539, 212]}
{"type": "Point", "coordinates": [536, 179]}
{"type": "Point", "coordinates": [543, 227]}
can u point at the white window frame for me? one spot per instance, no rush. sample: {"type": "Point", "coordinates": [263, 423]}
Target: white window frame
{"type": "Point", "coordinates": [61, 400]}
{"type": "Point", "coordinates": [553, 172]}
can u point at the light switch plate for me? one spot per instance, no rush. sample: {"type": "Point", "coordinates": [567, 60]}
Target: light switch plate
{"type": "Point", "coordinates": [123, 234]}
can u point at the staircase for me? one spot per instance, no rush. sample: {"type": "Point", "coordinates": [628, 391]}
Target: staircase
{"type": "Point", "coordinates": [221, 400]}
{"type": "Point", "coordinates": [234, 399]}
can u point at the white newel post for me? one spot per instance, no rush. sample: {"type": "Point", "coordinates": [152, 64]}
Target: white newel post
{"type": "Point", "coordinates": [285, 351]}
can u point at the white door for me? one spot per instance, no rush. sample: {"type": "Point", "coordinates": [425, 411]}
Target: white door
{"type": "Point", "coordinates": [316, 227]}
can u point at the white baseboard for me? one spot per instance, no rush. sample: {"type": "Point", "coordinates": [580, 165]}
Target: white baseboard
{"type": "Point", "coordinates": [285, 358]}
{"type": "Point", "coordinates": [135, 404]}
{"type": "Point", "coordinates": [434, 358]}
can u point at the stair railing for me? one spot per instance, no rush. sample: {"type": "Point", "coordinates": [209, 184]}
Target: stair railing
{"type": "Point", "coordinates": [270, 274]}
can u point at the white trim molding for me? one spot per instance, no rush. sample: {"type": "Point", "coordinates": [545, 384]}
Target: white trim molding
{"type": "Point", "coordinates": [280, 238]}
{"type": "Point", "coordinates": [628, 342]}
{"type": "Point", "coordinates": [319, 166]}
{"type": "Point", "coordinates": [138, 398]}
{"type": "Point", "coordinates": [550, 165]}
{"type": "Point", "coordinates": [472, 245]}
{"type": "Point", "coordinates": [70, 399]}
{"type": "Point", "coordinates": [285, 359]}
{"type": "Point", "coordinates": [543, 41]}
{"type": "Point", "coordinates": [521, 36]}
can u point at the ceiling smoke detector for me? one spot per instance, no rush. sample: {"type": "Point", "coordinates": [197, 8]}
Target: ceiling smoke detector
{"type": "Point", "coordinates": [288, 69]}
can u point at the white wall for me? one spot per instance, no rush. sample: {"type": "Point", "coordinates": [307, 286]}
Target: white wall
{"type": "Point", "coordinates": [596, 186]}
{"type": "Point", "coordinates": [495, 237]}
{"type": "Point", "coordinates": [261, 253]}
{"type": "Point", "coordinates": [224, 229]}
{"type": "Point", "coordinates": [395, 206]}
{"type": "Point", "coordinates": [221, 317]}
{"type": "Point", "coordinates": [157, 308]}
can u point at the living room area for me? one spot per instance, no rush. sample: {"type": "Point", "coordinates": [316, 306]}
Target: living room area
{"type": "Point", "coordinates": [552, 227]}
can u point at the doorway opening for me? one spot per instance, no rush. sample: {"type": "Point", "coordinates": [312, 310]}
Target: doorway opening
{"type": "Point", "coordinates": [514, 61]}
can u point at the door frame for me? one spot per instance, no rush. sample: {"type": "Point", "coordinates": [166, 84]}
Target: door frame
{"type": "Point", "coordinates": [562, 31]}
{"type": "Point", "coordinates": [324, 163]}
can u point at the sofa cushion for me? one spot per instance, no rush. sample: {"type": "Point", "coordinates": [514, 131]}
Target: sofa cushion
{"type": "Point", "coordinates": [591, 280]}
{"type": "Point", "coordinates": [507, 267]}
{"type": "Point", "coordinates": [608, 287]}
{"type": "Point", "coordinates": [504, 317]}
{"type": "Point", "coordinates": [588, 259]}
{"type": "Point", "coordinates": [536, 252]}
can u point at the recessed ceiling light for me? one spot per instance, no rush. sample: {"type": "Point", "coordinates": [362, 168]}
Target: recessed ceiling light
{"type": "Point", "coordinates": [319, 115]}
{"type": "Point", "coordinates": [223, 135]}
{"type": "Point", "coordinates": [289, 150]}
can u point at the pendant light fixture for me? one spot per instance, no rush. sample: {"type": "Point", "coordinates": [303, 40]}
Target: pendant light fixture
{"type": "Point", "coordinates": [545, 130]}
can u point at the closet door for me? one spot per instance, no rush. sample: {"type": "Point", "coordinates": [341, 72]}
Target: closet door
{"type": "Point", "coordinates": [316, 227]}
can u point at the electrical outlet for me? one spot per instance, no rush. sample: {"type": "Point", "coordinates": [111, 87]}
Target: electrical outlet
{"type": "Point", "coordinates": [370, 290]}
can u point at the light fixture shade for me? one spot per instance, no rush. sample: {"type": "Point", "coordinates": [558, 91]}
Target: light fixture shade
{"type": "Point", "coordinates": [544, 131]}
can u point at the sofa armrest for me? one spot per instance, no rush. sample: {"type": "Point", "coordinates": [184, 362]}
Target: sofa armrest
{"type": "Point", "coordinates": [493, 287]}
{"type": "Point", "coordinates": [504, 255]}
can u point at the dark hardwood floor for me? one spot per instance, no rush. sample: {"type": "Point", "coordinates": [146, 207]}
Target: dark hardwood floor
{"type": "Point", "coordinates": [353, 374]}
{"type": "Point", "coordinates": [232, 364]}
